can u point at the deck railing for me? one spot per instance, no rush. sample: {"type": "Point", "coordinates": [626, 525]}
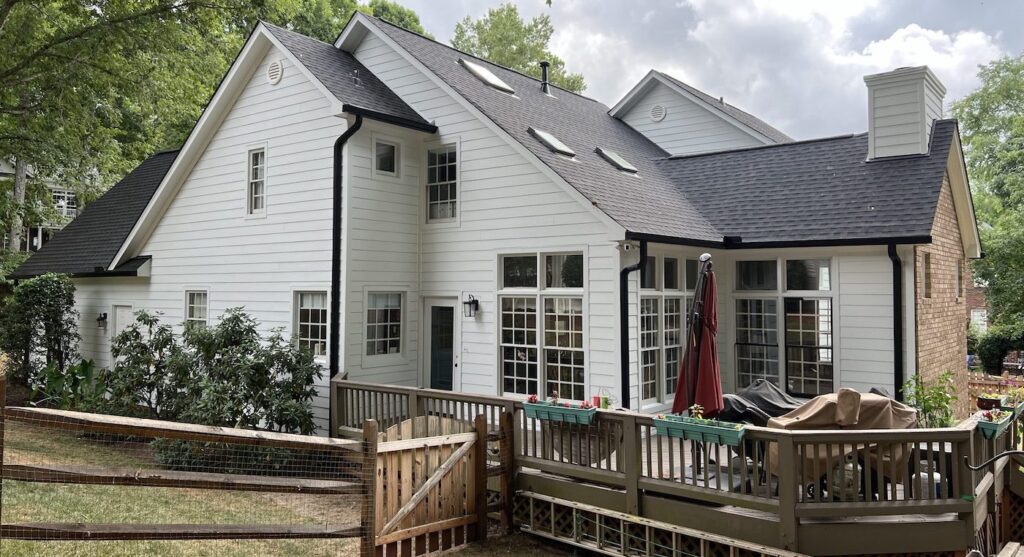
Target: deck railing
{"type": "Point", "coordinates": [794, 475]}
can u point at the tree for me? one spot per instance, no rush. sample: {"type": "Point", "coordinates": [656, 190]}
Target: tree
{"type": "Point", "coordinates": [397, 14]}
{"type": "Point", "coordinates": [503, 38]}
{"type": "Point", "coordinates": [992, 126]}
{"type": "Point", "coordinates": [39, 327]}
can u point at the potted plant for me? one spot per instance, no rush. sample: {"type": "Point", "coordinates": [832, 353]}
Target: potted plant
{"type": "Point", "coordinates": [697, 427]}
{"type": "Point", "coordinates": [555, 411]}
{"type": "Point", "coordinates": [1014, 400]}
{"type": "Point", "coordinates": [991, 401]}
{"type": "Point", "coordinates": [993, 423]}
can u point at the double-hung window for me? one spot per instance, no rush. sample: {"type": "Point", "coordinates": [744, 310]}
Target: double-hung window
{"type": "Point", "coordinates": [311, 322]}
{"type": "Point", "coordinates": [666, 291]}
{"type": "Point", "coordinates": [541, 343]}
{"type": "Point", "coordinates": [442, 184]}
{"type": "Point", "coordinates": [256, 191]}
{"type": "Point", "coordinates": [803, 345]}
{"type": "Point", "coordinates": [197, 309]}
{"type": "Point", "coordinates": [383, 323]}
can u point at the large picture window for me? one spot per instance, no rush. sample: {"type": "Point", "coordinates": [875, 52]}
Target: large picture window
{"type": "Point", "coordinates": [542, 348]}
{"type": "Point", "coordinates": [442, 184]}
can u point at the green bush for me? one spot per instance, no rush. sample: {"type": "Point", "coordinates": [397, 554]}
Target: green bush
{"type": "Point", "coordinates": [39, 328]}
{"type": "Point", "coordinates": [994, 344]}
{"type": "Point", "coordinates": [79, 388]}
{"type": "Point", "coordinates": [934, 403]}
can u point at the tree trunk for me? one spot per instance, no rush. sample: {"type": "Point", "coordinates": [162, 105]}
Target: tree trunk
{"type": "Point", "coordinates": [20, 179]}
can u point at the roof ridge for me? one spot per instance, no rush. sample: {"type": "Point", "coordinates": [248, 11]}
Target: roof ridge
{"type": "Point", "coordinates": [768, 146]}
{"type": "Point", "coordinates": [482, 59]}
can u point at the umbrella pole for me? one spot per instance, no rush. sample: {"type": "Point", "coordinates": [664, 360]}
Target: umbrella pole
{"type": "Point", "coordinates": [696, 334]}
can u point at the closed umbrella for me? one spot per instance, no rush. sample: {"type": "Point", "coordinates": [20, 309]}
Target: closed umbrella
{"type": "Point", "coordinates": [700, 378]}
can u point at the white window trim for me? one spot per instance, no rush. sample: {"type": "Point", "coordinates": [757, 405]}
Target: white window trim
{"type": "Point", "coordinates": [400, 357]}
{"type": "Point", "coordinates": [456, 221]}
{"type": "Point", "coordinates": [294, 333]}
{"type": "Point", "coordinates": [262, 213]}
{"type": "Point", "coordinates": [376, 138]}
{"type": "Point", "coordinates": [196, 290]}
{"type": "Point", "coordinates": [663, 398]}
{"type": "Point", "coordinates": [540, 293]}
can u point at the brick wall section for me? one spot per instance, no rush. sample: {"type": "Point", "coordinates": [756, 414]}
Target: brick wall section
{"type": "Point", "coordinates": [941, 321]}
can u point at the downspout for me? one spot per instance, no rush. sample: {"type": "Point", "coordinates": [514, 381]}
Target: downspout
{"type": "Point", "coordinates": [333, 349]}
{"type": "Point", "coordinates": [624, 318]}
{"type": "Point", "coordinates": [897, 322]}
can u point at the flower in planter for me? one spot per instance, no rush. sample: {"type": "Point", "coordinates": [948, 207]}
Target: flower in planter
{"type": "Point", "coordinates": [697, 411]}
{"type": "Point", "coordinates": [993, 415]}
{"type": "Point", "coordinates": [532, 399]}
{"type": "Point", "coordinates": [586, 405]}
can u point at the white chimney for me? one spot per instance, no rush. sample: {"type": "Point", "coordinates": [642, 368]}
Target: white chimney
{"type": "Point", "coordinates": [901, 107]}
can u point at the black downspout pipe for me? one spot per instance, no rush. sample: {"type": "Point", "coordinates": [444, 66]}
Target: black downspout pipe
{"type": "Point", "coordinates": [624, 318]}
{"type": "Point", "coordinates": [897, 321]}
{"type": "Point", "coordinates": [333, 349]}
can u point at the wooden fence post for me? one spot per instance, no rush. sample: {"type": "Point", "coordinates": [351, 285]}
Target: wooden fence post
{"type": "Point", "coordinates": [3, 406]}
{"type": "Point", "coordinates": [787, 493]}
{"type": "Point", "coordinates": [505, 455]}
{"type": "Point", "coordinates": [368, 522]}
{"type": "Point", "coordinates": [480, 477]}
{"type": "Point", "coordinates": [414, 405]}
{"type": "Point", "coordinates": [632, 462]}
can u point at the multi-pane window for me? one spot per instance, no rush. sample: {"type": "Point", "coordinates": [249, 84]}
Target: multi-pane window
{"type": "Point", "coordinates": [311, 322]}
{"type": "Point", "coordinates": [757, 343]}
{"type": "Point", "coordinates": [542, 348]}
{"type": "Point", "coordinates": [809, 369]}
{"type": "Point", "coordinates": [662, 326]}
{"type": "Point", "coordinates": [196, 308]}
{"type": "Point", "coordinates": [650, 348]}
{"type": "Point", "coordinates": [672, 339]}
{"type": "Point", "coordinates": [442, 183]}
{"type": "Point", "coordinates": [65, 203]}
{"type": "Point", "coordinates": [385, 158]}
{"type": "Point", "coordinates": [256, 197]}
{"type": "Point", "coordinates": [383, 323]}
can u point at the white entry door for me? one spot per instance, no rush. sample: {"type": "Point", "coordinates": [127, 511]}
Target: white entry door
{"type": "Point", "coordinates": [123, 317]}
{"type": "Point", "coordinates": [441, 338]}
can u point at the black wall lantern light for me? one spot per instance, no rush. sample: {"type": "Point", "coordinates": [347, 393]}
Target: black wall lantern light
{"type": "Point", "coordinates": [470, 306]}
{"type": "Point", "coordinates": [101, 321]}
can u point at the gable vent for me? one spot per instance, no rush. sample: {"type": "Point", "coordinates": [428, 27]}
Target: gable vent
{"type": "Point", "coordinates": [658, 113]}
{"type": "Point", "coordinates": [275, 71]}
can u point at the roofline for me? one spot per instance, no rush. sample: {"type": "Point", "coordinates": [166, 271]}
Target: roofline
{"type": "Point", "coordinates": [92, 274]}
{"type": "Point", "coordinates": [389, 119]}
{"type": "Point", "coordinates": [778, 145]}
{"type": "Point", "coordinates": [739, 244]}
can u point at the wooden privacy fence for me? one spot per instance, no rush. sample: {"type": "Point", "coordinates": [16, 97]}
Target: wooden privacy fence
{"type": "Point", "coordinates": [420, 485]}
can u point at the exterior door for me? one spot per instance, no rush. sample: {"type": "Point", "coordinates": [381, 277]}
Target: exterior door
{"type": "Point", "coordinates": [123, 317]}
{"type": "Point", "coordinates": [442, 356]}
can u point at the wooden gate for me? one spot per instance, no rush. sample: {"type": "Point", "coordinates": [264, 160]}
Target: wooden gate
{"type": "Point", "coordinates": [430, 493]}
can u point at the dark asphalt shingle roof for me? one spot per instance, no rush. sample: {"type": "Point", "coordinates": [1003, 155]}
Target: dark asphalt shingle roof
{"type": "Point", "coordinates": [821, 190]}
{"type": "Point", "coordinates": [93, 239]}
{"type": "Point", "coordinates": [646, 201]}
{"type": "Point", "coordinates": [747, 119]}
{"type": "Point", "coordinates": [337, 69]}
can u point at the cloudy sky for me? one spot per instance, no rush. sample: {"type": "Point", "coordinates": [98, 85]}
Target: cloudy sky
{"type": "Point", "coordinates": [797, 64]}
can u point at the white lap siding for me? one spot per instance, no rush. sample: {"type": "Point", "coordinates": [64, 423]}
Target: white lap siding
{"type": "Point", "coordinates": [205, 241]}
{"type": "Point", "coordinates": [506, 205]}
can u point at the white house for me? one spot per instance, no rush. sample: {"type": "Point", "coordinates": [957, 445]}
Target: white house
{"type": "Point", "coordinates": [433, 179]}
{"type": "Point", "coordinates": [65, 207]}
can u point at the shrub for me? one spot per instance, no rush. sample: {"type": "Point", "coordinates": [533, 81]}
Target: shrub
{"type": "Point", "coordinates": [994, 344]}
{"type": "Point", "coordinates": [78, 388]}
{"type": "Point", "coordinates": [39, 328]}
{"type": "Point", "coordinates": [150, 372]}
{"type": "Point", "coordinates": [934, 403]}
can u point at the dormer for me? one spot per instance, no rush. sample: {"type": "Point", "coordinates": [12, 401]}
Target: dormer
{"type": "Point", "coordinates": [684, 121]}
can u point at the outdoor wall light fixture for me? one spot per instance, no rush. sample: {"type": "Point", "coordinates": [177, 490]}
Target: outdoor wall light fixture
{"type": "Point", "coordinates": [101, 321]}
{"type": "Point", "coordinates": [470, 306]}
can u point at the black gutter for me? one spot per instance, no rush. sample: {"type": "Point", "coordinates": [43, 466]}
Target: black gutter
{"type": "Point", "coordinates": [735, 242]}
{"type": "Point", "coordinates": [334, 348]}
{"type": "Point", "coordinates": [897, 321]}
{"type": "Point", "coordinates": [390, 119]}
{"type": "Point", "coordinates": [624, 318]}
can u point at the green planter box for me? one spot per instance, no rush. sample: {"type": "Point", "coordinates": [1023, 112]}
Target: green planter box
{"type": "Point", "coordinates": [991, 430]}
{"type": "Point", "coordinates": [705, 431]}
{"type": "Point", "coordinates": [1015, 409]}
{"type": "Point", "coordinates": [558, 413]}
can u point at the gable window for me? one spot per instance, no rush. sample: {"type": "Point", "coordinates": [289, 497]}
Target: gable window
{"type": "Point", "coordinates": [256, 196]}
{"type": "Point", "coordinates": [442, 184]}
{"type": "Point", "coordinates": [196, 308]}
{"type": "Point", "coordinates": [383, 323]}
{"type": "Point", "coordinates": [311, 322]}
{"type": "Point", "coordinates": [385, 157]}
{"type": "Point", "coordinates": [541, 325]}
{"type": "Point", "coordinates": [926, 278]}
{"type": "Point", "coordinates": [662, 327]}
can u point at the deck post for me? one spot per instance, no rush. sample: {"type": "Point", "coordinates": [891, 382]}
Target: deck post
{"type": "Point", "coordinates": [413, 400]}
{"type": "Point", "coordinates": [368, 521]}
{"type": "Point", "coordinates": [507, 477]}
{"type": "Point", "coordinates": [480, 477]}
{"type": "Point", "coordinates": [632, 462]}
{"type": "Point", "coordinates": [337, 404]}
{"type": "Point", "coordinates": [965, 487]}
{"type": "Point", "coordinates": [787, 494]}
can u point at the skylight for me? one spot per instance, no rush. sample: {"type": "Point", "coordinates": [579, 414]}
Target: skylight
{"type": "Point", "coordinates": [487, 76]}
{"type": "Point", "coordinates": [616, 160]}
{"type": "Point", "coordinates": [552, 142]}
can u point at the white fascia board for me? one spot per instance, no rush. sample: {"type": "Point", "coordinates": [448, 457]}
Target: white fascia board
{"type": "Point", "coordinates": [633, 96]}
{"type": "Point", "coordinates": [234, 82]}
{"type": "Point", "coordinates": [963, 202]}
{"type": "Point", "coordinates": [348, 42]}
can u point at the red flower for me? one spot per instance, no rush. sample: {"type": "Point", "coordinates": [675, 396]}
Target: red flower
{"type": "Point", "coordinates": [532, 399]}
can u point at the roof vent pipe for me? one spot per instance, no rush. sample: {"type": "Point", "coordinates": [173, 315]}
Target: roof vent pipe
{"type": "Point", "coordinates": [544, 77]}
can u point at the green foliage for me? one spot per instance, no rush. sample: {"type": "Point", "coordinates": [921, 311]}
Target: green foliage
{"type": "Point", "coordinates": [397, 14]}
{"type": "Point", "coordinates": [934, 403]}
{"type": "Point", "coordinates": [39, 328]}
{"type": "Point", "coordinates": [994, 344]}
{"type": "Point", "coordinates": [503, 38]}
{"type": "Point", "coordinates": [79, 388]}
{"type": "Point", "coordinates": [151, 370]}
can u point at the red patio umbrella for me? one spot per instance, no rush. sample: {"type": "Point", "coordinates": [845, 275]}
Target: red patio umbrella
{"type": "Point", "coordinates": [700, 379]}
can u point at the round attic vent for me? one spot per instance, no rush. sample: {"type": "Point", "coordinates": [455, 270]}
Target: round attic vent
{"type": "Point", "coordinates": [274, 72]}
{"type": "Point", "coordinates": [658, 113]}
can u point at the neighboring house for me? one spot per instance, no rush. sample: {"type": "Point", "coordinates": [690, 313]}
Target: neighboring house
{"type": "Point", "coordinates": [65, 207]}
{"type": "Point", "coordinates": [490, 227]}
